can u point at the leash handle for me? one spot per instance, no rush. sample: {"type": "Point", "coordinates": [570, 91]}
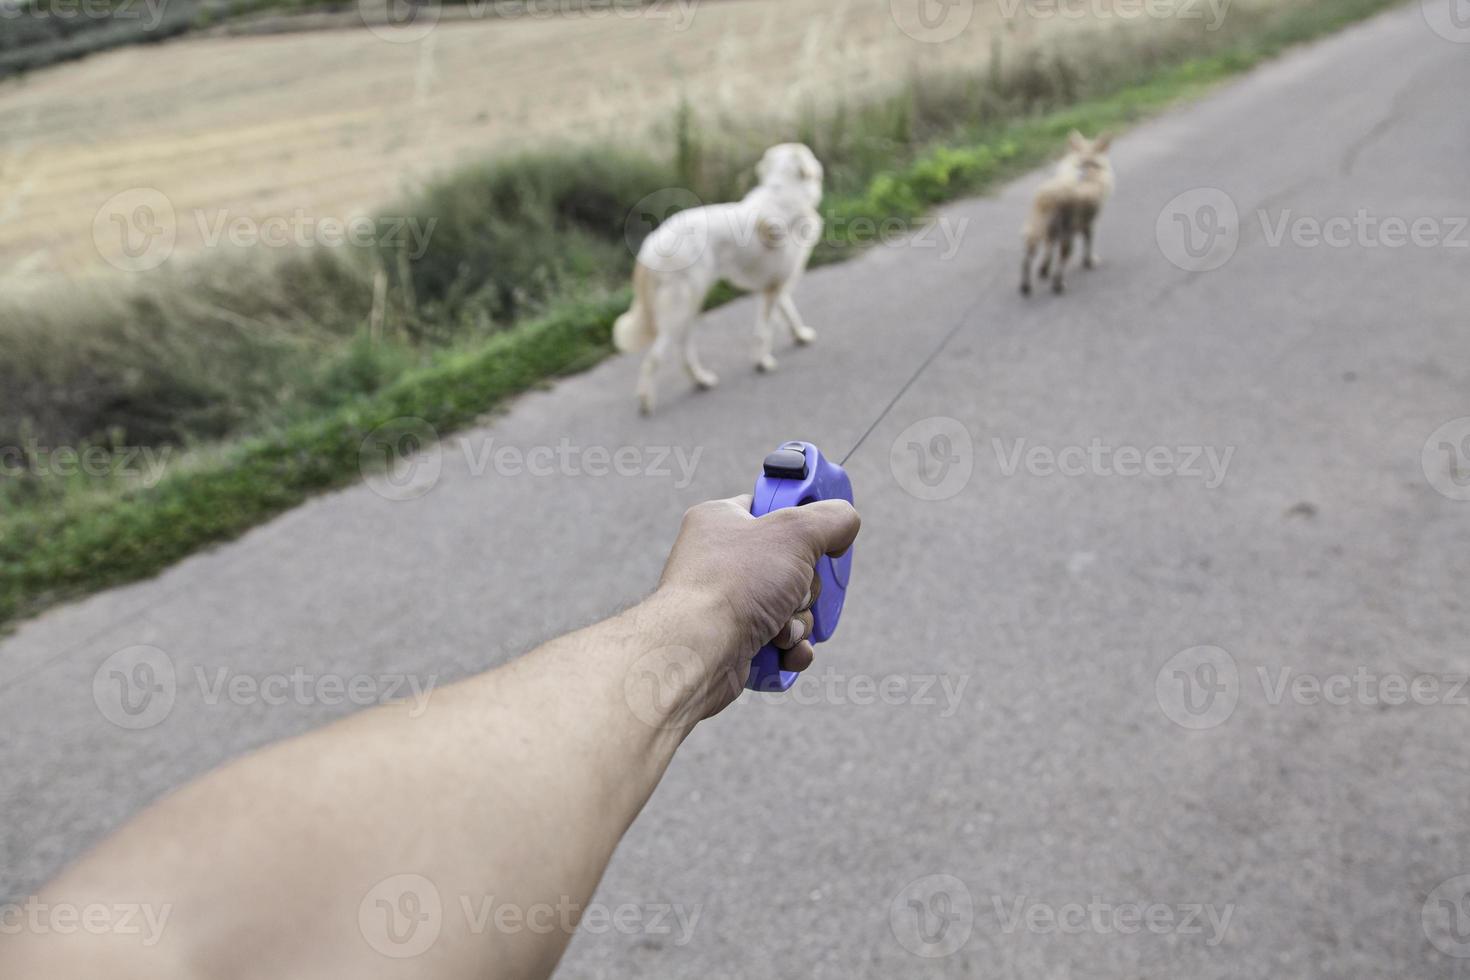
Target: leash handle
{"type": "Point", "coordinates": [793, 475]}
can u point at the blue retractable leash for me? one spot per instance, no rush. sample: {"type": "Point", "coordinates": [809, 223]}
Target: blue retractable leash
{"type": "Point", "coordinates": [793, 475]}
{"type": "Point", "coordinates": [797, 474]}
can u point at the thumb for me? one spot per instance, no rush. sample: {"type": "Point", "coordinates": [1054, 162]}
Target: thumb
{"type": "Point", "coordinates": [827, 527]}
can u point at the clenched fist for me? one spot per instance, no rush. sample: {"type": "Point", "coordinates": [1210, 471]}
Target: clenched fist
{"type": "Point", "coordinates": [758, 575]}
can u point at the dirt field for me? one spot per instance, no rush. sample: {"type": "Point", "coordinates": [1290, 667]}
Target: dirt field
{"type": "Point", "coordinates": [331, 123]}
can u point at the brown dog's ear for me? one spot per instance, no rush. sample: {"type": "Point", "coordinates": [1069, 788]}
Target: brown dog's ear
{"type": "Point", "coordinates": [1077, 141]}
{"type": "Point", "coordinates": [1103, 141]}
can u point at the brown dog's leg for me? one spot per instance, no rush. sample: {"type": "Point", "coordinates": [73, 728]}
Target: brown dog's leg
{"type": "Point", "coordinates": [1064, 252]}
{"type": "Point", "coordinates": [1026, 261]}
{"type": "Point", "coordinates": [1089, 257]}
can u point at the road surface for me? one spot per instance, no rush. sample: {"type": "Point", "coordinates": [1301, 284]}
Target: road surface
{"type": "Point", "coordinates": [1152, 664]}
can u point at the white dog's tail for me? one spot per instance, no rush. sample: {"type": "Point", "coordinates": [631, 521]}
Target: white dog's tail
{"type": "Point", "coordinates": [635, 329]}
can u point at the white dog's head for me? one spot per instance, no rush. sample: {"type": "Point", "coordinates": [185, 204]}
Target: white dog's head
{"type": "Point", "coordinates": [792, 165]}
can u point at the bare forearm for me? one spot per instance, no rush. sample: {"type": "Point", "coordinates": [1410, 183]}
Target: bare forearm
{"type": "Point", "coordinates": [464, 839]}
{"type": "Point", "coordinates": [503, 800]}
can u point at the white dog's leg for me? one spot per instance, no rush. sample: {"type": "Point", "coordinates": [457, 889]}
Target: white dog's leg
{"type": "Point", "coordinates": [765, 307]}
{"type": "Point", "coordinates": [648, 375]}
{"type": "Point", "coordinates": [703, 377]}
{"type": "Point", "coordinates": [800, 332]}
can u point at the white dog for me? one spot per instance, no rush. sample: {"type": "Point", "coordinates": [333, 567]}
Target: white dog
{"type": "Point", "coordinates": [761, 244]}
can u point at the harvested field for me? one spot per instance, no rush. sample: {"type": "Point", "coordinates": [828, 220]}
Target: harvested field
{"type": "Point", "coordinates": [331, 123]}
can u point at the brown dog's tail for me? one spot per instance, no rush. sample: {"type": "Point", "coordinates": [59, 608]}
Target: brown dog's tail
{"type": "Point", "coordinates": [635, 329]}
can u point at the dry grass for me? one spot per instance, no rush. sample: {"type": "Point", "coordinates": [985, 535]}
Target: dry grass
{"type": "Point", "coordinates": [335, 123]}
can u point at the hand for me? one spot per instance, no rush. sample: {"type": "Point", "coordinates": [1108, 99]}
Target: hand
{"type": "Point", "coordinates": [755, 579]}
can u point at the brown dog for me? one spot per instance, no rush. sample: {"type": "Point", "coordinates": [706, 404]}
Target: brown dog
{"type": "Point", "coordinates": [1067, 205]}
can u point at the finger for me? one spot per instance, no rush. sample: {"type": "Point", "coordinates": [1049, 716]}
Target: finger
{"type": "Point", "coordinates": [828, 527]}
{"type": "Point", "coordinates": [798, 629]}
{"type": "Point", "coordinates": [813, 593]}
{"type": "Point", "coordinates": [743, 501]}
{"type": "Point", "coordinates": [799, 657]}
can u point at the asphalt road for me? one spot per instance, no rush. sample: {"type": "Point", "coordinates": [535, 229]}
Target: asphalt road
{"type": "Point", "coordinates": [1014, 759]}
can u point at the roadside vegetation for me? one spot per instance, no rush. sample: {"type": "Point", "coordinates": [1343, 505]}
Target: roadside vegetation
{"type": "Point", "coordinates": [257, 378]}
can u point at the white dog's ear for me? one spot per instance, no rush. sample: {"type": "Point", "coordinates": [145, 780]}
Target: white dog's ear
{"type": "Point", "coordinates": [763, 169]}
{"type": "Point", "coordinates": [1077, 141]}
{"type": "Point", "coordinates": [810, 170]}
{"type": "Point", "coordinates": [1103, 141]}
